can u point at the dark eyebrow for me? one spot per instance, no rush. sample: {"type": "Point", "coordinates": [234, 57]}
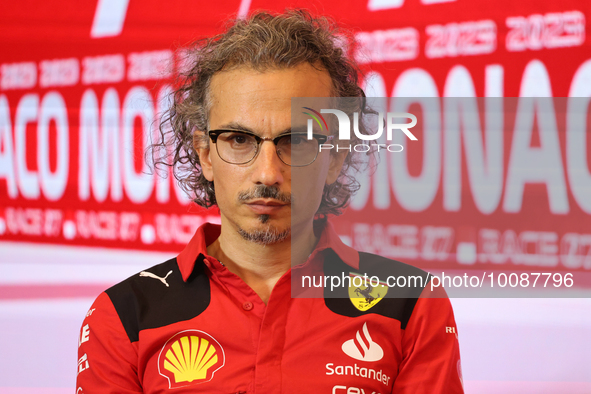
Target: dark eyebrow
{"type": "Point", "coordinates": [299, 129]}
{"type": "Point", "coordinates": [235, 126]}
{"type": "Point", "coordinates": [241, 127]}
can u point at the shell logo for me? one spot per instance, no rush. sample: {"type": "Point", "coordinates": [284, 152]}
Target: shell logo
{"type": "Point", "coordinates": [190, 357]}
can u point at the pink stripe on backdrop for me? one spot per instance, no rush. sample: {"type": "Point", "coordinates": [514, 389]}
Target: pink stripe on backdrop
{"type": "Point", "coordinates": [505, 387]}
{"type": "Point", "coordinates": [27, 292]}
{"type": "Point", "coordinates": [37, 390]}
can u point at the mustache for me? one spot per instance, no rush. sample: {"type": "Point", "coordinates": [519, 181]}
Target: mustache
{"type": "Point", "coordinates": [263, 191]}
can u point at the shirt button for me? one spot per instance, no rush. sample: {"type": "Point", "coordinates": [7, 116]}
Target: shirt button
{"type": "Point", "coordinates": [247, 306]}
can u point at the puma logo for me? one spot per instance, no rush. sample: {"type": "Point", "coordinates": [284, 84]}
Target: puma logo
{"type": "Point", "coordinates": [151, 275]}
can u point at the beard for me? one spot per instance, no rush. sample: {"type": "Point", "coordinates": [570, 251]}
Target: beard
{"type": "Point", "coordinates": [269, 234]}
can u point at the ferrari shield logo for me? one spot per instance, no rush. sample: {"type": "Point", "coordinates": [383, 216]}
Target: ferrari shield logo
{"type": "Point", "coordinates": [365, 293]}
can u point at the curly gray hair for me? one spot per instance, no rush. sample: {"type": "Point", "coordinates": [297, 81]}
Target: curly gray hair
{"type": "Point", "coordinates": [262, 41]}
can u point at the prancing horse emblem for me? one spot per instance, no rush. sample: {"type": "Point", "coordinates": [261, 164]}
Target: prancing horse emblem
{"type": "Point", "coordinates": [363, 294]}
{"type": "Point", "coordinates": [151, 275]}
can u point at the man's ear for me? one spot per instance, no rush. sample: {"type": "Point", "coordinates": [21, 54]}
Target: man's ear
{"type": "Point", "coordinates": [201, 146]}
{"type": "Point", "coordinates": [335, 166]}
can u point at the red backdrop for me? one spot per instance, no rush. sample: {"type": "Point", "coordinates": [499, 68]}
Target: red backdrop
{"type": "Point", "coordinates": [81, 84]}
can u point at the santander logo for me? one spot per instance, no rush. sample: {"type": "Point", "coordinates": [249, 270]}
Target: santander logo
{"type": "Point", "coordinates": [363, 348]}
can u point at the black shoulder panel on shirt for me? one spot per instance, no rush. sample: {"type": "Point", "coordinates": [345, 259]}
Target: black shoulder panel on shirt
{"type": "Point", "coordinates": [398, 303]}
{"type": "Point", "coordinates": [158, 297]}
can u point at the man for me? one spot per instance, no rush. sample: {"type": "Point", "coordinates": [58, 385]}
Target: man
{"type": "Point", "coordinates": [220, 318]}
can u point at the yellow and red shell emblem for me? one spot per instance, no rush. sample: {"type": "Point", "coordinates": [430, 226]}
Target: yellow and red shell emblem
{"type": "Point", "coordinates": [190, 357]}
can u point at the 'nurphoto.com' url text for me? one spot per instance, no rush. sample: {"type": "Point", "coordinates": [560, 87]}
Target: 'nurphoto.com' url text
{"type": "Point", "coordinates": [490, 280]}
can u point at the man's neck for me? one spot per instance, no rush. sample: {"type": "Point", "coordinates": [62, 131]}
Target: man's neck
{"type": "Point", "coordinates": [261, 266]}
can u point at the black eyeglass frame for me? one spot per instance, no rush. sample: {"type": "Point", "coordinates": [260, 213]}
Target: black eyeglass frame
{"type": "Point", "coordinates": [214, 134]}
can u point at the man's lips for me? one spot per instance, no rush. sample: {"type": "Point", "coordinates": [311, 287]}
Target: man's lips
{"type": "Point", "coordinates": [265, 207]}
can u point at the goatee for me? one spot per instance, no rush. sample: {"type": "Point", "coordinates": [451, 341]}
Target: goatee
{"type": "Point", "coordinates": [268, 236]}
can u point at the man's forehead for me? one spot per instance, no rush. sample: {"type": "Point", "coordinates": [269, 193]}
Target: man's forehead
{"type": "Point", "coordinates": [243, 92]}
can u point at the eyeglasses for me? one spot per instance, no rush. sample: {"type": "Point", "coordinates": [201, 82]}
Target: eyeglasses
{"type": "Point", "coordinates": [293, 149]}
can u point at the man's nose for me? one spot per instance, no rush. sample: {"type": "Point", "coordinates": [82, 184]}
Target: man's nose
{"type": "Point", "coordinates": [268, 168]}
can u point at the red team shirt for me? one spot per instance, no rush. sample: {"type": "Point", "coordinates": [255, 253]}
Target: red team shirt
{"type": "Point", "coordinates": [189, 325]}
